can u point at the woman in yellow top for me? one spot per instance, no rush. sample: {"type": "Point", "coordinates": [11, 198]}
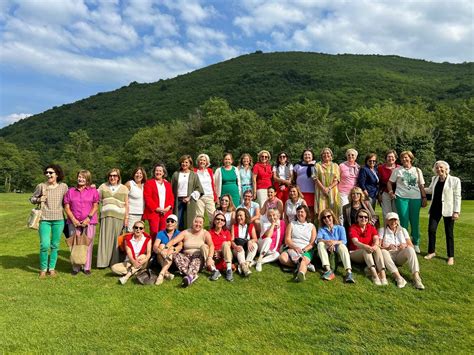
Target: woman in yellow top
{"type": "Point", "coordinates": [326, 176]}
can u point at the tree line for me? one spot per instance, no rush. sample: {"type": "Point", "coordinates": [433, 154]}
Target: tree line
{"type": "Point", "coordinates": [431, 132]}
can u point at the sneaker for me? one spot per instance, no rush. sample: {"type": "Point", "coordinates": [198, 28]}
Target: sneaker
{"type": "Point", "coordinates": [87, 272]}
{"type": "Point", "coordinates": [246, 271]}
{"type": "Point", "coordinates": [417, 249]}
{"type": "Point", "coordinates": [349, 278]}
{"type": "Point", "coordinates": [74, 272]}
{"type": "Point", "coordinates": [258, 267]}
{"type": "Point", "coordinates": [159, 280]}
{"type": "Point", "coordinates": [311, 268]}
{"type": "Point", "coordinates": [189, 280]}
{"type": "Point", "coordinates": [169, 276]}
{"type": "Point", "coordinates": [418, 284]}
{"type": "Point", "coordinates": [239, 269]}
{"type": "Point", "coordinates": [229, 275]}
{"type": "Point", "coordinates": [123, 280]}
{"type": "Point", "coordinates": [252, 263]}
{"type": "Point", "coordinates": [401, 283]}
{"type": "Point", "coordinates": [328, 275]}
{"type": "Point", "coordinates": [300, 277]}
{"type": "Point", "coordinates": [215, 275]}
{"type": "Point", "coordinates": [376, 281]}
{"type": "Point", "coordinates": [450, 261]}
{"type": "Point", "coordinates": [384, 281]}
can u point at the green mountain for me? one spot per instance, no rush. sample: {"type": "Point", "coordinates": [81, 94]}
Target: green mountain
{"type": "Point", "coordinates": [263, 82]}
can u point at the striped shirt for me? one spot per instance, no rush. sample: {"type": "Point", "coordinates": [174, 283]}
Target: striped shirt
{"type": "Point", "coordinates": [113, 203]}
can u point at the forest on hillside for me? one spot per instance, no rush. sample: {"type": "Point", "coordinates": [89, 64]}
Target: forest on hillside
{"type": "Point", "coordinates": [432, 132]}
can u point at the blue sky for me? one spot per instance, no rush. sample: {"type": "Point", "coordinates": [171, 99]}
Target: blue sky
{"type": "Point", "coordinates": [59, 51]}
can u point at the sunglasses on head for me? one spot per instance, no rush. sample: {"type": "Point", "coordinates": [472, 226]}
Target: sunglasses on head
{"type": "Point", "coordinates": [138, 228]}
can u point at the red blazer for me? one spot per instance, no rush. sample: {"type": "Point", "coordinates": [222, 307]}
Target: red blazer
{"type": "Point", "coordinates": [152, 200]}
{"type": "Point", "coordinates": [211, 174]}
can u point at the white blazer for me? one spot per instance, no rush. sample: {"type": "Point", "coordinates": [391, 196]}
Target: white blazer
{"type": "Point", "coordinates": [451, 197]}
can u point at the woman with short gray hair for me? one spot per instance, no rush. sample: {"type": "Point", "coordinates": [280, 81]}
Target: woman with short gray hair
{"type": "Point", "coordinates": [446, 203]}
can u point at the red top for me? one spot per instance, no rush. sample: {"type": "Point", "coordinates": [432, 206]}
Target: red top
{"type": "Point", "coordinates": [128, 239]}
{"type": "Point", "coordinates": [264, 175]}
{"type": "Point", "coordinates": [364, 237]}
{"type": "Point", "coordinates": [152, 199]}
{"type": "Point", "coordinates": [219, 238]}
{"type": "Point", "coordinates": [384, 175]}
{"type": "Point", "coordinates": [249, 231]}
{"type": "Point", "coordinates": [211, 174]}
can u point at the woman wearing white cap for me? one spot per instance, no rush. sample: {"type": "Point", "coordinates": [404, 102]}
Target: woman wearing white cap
{"type": "Point", "coordinates": [397, 249]}
{"type": "Point", "coordinates": [164, 254]}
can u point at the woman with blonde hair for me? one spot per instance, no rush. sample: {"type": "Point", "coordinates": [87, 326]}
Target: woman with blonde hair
{"type": "Point", "coordinates": [357, 201]}
{"type": "Point", "coordinates": [326, 176]}
{"type": "Point", "coordinates": [206, 177]}
{"type": "Point", "coordinates": [113, 218]}
{"type": "Point", "coordinates": [446, 203]}
{"type": "Point", "coordinates": [245, 173]}
{"type": "Point", "coordinates": [81, 204]}
{"type": "Point", "coordinates": [262, 176]}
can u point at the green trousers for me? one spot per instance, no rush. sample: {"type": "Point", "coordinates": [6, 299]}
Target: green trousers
{"type": "Point", "coordinates": [50, 236]}
{"type": "Point", "coordinates": [409, 212]}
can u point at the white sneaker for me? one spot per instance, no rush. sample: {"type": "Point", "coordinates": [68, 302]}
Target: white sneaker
{"type": "Point", "coordinates": [401, 283]}
{"type": "Point", "coordinates": [311, 268]}
{"type": "Point", "coordinates": [376, 281]}
{"type": "Point", "coordinates": [417, 249]}
{"type": "Point", "coordinates": [418, 284]}
{"type": "Point", "coordinates": [258, 267]}
{"type": "Point", "coordinates": [384, 281]}
{"type": "Point", "coordinates": [159, 280]}
{"type": "Point", "coordinates": [123, 280]}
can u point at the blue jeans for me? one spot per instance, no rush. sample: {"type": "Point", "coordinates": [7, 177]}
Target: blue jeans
{"type": "Point", "coordinates": [182, 206]}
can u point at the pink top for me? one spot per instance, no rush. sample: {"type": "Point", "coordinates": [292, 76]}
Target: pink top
{"type": "Point", "coordinates": [278, 237]}
{"type": "Point", "coordinates": [349, 174]}
{"type": "Point", "coordinates": [264, 175]}
{"type": "Point", "coordinates": [81, 202]}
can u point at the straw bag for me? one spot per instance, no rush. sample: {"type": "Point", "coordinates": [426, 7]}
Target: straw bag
{"type": "Point", "coordinates": [34, 218]}
{"type": "Point", "coordinates": [79, 243]}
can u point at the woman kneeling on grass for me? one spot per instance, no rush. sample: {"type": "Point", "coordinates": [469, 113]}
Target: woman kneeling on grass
{"type": "Point", "coordinates": [397, 249]}
{"type": "Point", "coordinates": [331, 240]}
{"type": "Point", "coordinates": [364, 246]}
{"type": "Point", "coordinates": [197, 247]}
{"type": "Point", "coordinates": [299, 240]}
{"type": "Point", "coordinates": [138, 249]}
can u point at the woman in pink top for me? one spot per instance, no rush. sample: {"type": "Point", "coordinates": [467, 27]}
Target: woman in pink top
{"type": "Point", "coordinates": [272, 202]}
{"type": "Point", "coordinates": [262, 177]}
{"type": "Point", "coordinates": [81, 203]}
{"type": "Point", "coordinates": [349, 171]}
{"type": "Point", "coordinates": [273, 234]}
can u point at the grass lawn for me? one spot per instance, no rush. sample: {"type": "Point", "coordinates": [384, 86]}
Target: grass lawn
{"type": "Point", "coordinates": [267, 313]}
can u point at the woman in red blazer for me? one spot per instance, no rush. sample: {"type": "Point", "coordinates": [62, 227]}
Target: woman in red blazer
{"type": "Point", "coordinates": [159, 200]}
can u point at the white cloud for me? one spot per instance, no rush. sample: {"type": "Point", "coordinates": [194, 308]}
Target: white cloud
{"type": "Point", "coordinates": [12, 118]}
{"type": "Point", "coordinates": [191, 11]}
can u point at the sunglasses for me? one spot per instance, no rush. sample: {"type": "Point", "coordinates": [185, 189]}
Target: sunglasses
{"type": "Point", "coordinates": [138, 228]}
{"type": "Point", "coordinates": [225, 201]}
{"type": "Point", "coordinates": [363, 217]}
{"type": "Point", "coordinates": [264, 156]}
{"type": "Point", "coordinates": [372, 161]}
{"type": "Point", "coordinates": [113, 175]}
{"type": "Point", "coordinates": [220, 220]}
{"type": "Point", "coordinates": [49, 172]}
{"type": "Point", "coordinates": [170, 220]}
{"type": "Point", "coordinates": [282, 156]}
{"type": "Point", "coordinates": [327, 216]}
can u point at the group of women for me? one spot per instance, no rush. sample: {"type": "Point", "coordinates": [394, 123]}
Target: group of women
{"type": "Point", "coordinates": [258, 213]}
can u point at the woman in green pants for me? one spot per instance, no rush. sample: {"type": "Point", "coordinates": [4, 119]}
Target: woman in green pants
{"type": "Point", "coordinates": [409, 194]}
{"type": "Point", "coordinates": [50, 195]}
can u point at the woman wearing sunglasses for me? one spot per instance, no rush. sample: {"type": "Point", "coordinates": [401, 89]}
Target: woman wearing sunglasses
{"type": "Point", "coordinates": [222, 256]}
{"type": "Point", "coordinates": [365, 247]}
{"type": "Point", "coordinates": [81, 203]}
{"type": "Point", "coordinates": [332, 240]}
{"type": "Point", "coordinates": [113, 218]}
{"type": "Point", "coordinates": [50, 195]}
{"type": "Point", "coordinates": [282, 176]}
{"type": "Point", "coordinates": [164, 254]}
{"type": "Point", "coordinates": [138, 250]}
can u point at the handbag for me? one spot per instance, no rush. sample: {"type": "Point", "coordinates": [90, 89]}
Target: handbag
{"type": "Point", "coordinates": [34, 218]}
{"type": "Point", "coordinates": [79, 243]}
